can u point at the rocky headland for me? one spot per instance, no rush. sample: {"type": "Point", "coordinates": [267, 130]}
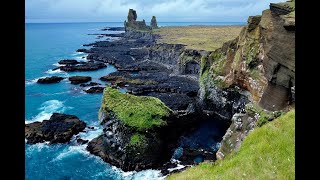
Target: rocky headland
{"type": "Point", "coordinates": [172, 89]}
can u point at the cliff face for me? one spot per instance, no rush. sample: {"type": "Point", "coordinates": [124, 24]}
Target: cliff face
{"type": "Point", "coordinates": [261, 62]}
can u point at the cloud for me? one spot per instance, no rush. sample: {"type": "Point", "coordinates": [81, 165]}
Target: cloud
{"type": "Point", "coordinates": [165, 10]}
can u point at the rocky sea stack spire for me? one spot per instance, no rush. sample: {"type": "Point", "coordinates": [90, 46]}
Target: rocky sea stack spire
{"type": "Point", "coordinates": [132, 24]}
{"type": "Point", "coordinates": [153, 23]}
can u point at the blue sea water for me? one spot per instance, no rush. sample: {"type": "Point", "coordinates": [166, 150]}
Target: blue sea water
{"type": "Point", "coordinates": [45, 45]}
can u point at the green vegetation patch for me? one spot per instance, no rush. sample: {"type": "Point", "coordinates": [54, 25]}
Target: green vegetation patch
{"type": "Point", "coordinates": [140, 112]}
{"type": "Point", "coordinates": [267, 153]}
{"type": "Point", "coordinates": [137, 139]}
{"type": "Point", "coordinates": [264, 116]}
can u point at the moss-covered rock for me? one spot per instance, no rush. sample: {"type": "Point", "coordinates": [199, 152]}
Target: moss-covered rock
{"type": "Point", "coordinates": [139, 112]}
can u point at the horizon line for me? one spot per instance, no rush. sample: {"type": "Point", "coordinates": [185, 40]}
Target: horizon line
{"type": "Point", "coordinates": [146, 22]}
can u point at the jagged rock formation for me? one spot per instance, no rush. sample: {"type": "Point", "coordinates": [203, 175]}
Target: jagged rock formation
{"type": "Point", "coordinates": [153, 23]}
{"type": "Point", "coordinates": [132, 24]}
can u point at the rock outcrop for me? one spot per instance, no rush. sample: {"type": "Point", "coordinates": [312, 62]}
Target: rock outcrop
{"type": "Point", "coordinates": [130, 141]}
{"type": "Point", "coordinates": [49, 80]}
{"type": "Point", "coordinates": [58, 129]}
{"type": "Point", "coordinates": [79, 79]}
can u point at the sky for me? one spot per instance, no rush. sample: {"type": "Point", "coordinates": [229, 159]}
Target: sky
{"type": "Point", "coordinates": [41, 11]}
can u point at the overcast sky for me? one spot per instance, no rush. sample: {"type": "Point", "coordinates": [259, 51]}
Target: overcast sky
{"type": "Point", "coordinates": [164, 10]}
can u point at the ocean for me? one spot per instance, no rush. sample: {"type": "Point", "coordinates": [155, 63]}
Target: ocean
{"type": "Point", "coordinates": [45, 45]}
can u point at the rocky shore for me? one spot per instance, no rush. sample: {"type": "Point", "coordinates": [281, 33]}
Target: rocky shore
{"type": "Point", "coordinates": [172, 90]}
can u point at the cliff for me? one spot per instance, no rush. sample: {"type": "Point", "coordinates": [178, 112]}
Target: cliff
{"type": "Point", "coordinates": [260, 62]}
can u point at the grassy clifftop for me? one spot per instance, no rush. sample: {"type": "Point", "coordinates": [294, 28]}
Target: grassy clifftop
{"type": "Point", "coordinates": [198, 37]}
{"type": "Point", "coordinates": [140, 112]}
{"type": "Point", "coordinates": [267, 153]}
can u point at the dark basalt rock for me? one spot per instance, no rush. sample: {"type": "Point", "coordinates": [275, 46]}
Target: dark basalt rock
{"type": "Point", "coordinates": [113, 29]}
{"type": "Point", "coordinates": [89, 66]}
{"type": "Point", "coordinates": [79, 79]}
{"type": "Point", "coordinates": [49, 80]}
{"type": "Point", "coordinates": [69, 62]}
{"type": "Point", "coordinates": [81, 141]}
{"type": "Point", "coordinates": [90, 84]}
{"type": "Point", "coordinates": [109, 35]}
{"type": "Point", "coordinates": [95, 90]}
{"type": "Point", "coordinates": [58, 129]}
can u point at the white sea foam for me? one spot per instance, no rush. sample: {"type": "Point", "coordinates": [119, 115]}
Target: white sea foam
{"type": "Point", "coordinates": [47, 109]}
{"type": "Point", "coordinates": [37, 147]}
{"type": "Point", "coordinates": [57, 71]}
{"type": "Point", "coordinates": [179, 166]}
{"type": "Point", "coordinates": [58, 65]}
{"type": "Point", "coordinates": [33, 81]}
{"type": "Point", "coordinates": [148, 174]}
{"type": "Point", "coordinates": [71, 150]}
{"type": "Point", "coordinates": [91, 133]}
{"type": "Point", "coordinates": [29, 82]}
{"type": "Point", "coordinates": [78, 53]}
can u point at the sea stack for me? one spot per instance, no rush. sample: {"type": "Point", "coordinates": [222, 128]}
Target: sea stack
{"type": "Point", "coordinates": [153, 23]}
{"type": "Point", "coordinates": [133, 24]}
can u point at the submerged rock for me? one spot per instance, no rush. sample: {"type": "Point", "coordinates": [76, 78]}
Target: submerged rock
{"type": "Point", "coordinates": [90, 84]}
{"type": "Point", "coordinates": [49, 80]}
{"type": "Point", "coordinates": [58, 129]}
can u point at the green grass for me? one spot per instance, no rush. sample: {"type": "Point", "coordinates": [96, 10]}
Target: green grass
{"type": "Point", "coordinates": [139, 112]}
{"type": "Point", "coordinates": [137, 139]}
{"type": "Point", "coordinates": [198, 37]}
{"type": "Point", "coordinates": [267, 153]}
